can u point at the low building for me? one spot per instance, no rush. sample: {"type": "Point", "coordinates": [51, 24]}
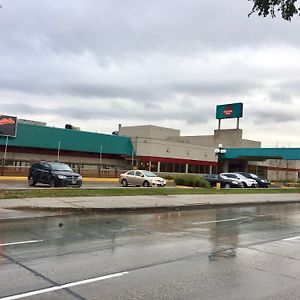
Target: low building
{"type": "Point", "coordinates": [159, 149]}
{"type": "Point", "coordinates": [87, 152]}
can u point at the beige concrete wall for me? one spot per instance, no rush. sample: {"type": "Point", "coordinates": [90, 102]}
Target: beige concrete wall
{"type": "Point", "coordinates": [70, 159]}
{"type": "Point", "coordinates": [233, 138]}
{"type": "Point", "coordinates": [230, 138]}
{"type": "Point", "coordinates": [202, 140]}
{"type": "Point", "coordinates": [169, 149]}
{"type": "Point", "coordinates": [149, 131]}
{"type": "Point", "coordinates": [284, 172]}
{"type": "Point", "coordinates": [250, 144]}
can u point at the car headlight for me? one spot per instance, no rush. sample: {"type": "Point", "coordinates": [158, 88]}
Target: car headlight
{"type": "Point", "coordinates": [62, 176]}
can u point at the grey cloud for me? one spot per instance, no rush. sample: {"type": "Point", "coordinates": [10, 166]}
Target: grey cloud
{"type": "Point", "coordinates": [217, 87]}
{"type": "Point", "coordinates": [142, 91]}
{"type": "Point", "coordinates": [272, 116]}
{"type": "Point", "coordinates": [281, 96]}
{"type": "Point", "coordinates": [115, 110]}
{"type": "Point", "coordinates": [133, 111]}
{"type": "Point", "coordinates": [111, 29]}
{"type": "Point", "coordinates": [20, 108]}
{"type": "Point", "coordinates": [145, 60]}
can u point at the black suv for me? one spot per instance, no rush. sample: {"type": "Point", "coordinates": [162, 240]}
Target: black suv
{"type": "Point", "coordinates": [213, 179]}
{"type": "Point", "coordinates": [53, 174]}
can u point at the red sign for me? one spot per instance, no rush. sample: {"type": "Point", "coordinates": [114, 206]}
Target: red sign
{"type": "Point", "coordinates": [228, 111]}
{"type": "Point", "coordinates": [8, 125]}
{"type": "Point", "coordinates": [7, 121]}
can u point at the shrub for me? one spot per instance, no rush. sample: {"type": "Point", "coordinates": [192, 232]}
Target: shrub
{"type": "Point", "coordinates": [168, 177]}
{"type": "Point", "coordinates": [191, 180]}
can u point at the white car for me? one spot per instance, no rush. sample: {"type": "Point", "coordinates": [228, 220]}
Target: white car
{"type": "Point", "coordinates": [141, 178]}
{"type": "Point", "coordinates": [246, 182]}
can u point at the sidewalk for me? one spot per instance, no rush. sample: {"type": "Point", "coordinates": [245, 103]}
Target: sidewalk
{"type": "Point", "coordinates": [143, 203]}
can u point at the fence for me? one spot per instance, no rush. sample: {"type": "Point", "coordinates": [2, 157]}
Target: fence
{"type": "Point", "coordinates": [21, 168]}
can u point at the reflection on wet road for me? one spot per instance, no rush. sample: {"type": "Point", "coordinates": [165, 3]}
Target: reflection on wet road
{"type": "Point", "coordinates": [227, 253]}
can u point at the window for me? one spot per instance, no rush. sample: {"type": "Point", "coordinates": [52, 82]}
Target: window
{"type": "Point", "coordinates": [154, 166]}
{"type": "Point", "coordinates": [163, 167]}
{"type": "Point", "coordinates": [130, 173]}
{"type": "Point", "coordinates": [138, 173]}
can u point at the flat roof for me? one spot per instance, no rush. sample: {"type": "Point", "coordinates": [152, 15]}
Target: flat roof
{"type": "Point", "coordinates": [261, 153]}
{"type": "Point", "coordinates": [44, 137]}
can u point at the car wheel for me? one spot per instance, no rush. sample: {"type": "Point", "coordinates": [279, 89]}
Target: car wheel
{"type": "Point", "coordinates": [31, 181]}
{"type": "Point", "coordinates": [227, 186]}
{"type": "Point", "coordinates": [52, 182]}
{"type": "Point", "coordinates": [146, 184]}
{"type": "Point", "coordinates": [124, 182]}
{"type": "Point", "coordinates": [244, 184]}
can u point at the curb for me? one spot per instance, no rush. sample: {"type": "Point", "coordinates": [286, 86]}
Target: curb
{"type": "Point", "coordinates": [147, 209]}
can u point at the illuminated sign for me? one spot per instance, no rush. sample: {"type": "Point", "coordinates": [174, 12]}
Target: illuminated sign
{"type": "Point", "coordinates": [8, 125]}
{"type": "Point", "coordinates": [226, 111]}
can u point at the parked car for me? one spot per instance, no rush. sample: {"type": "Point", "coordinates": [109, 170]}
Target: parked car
{"type": "Point", "coordinates": [213, 179]}
{"type": "Point", "coordinates": [141, 178]}
{"type": "Point", "coordinates": [246, 182]}
{"type": "Point", "coordinates": [262, 183]}
{"type": "Point", "coordinates": [53, 174]}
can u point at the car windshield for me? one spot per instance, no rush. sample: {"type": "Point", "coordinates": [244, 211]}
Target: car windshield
{"type": "Point", "coordinates": [149, 174]}
{"type": "Point", "coordinates": [230, 175]}
{"type": "Point", "coordinates": [241, 176]}
{"type": "Point", "coordinates": [254, 176]}
{"type": "Point", "coordinates": [246, 175]}
{"type": "Point", "coordinates": [60, 167]}
{"type": "Point", "coordinates": [211, 176]}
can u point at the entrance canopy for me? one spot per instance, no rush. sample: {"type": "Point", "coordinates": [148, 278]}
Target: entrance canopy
{"type": "Point", "coordinates": [260, 154]}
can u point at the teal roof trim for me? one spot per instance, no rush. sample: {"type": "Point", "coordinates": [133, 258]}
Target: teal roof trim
{"type": "Point", "coordinates": [45, 137]}
{"type": "Point", "coordinates": [262, 153]}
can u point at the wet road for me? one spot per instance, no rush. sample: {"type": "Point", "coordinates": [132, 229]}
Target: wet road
{"type": "Point", "coordinates": [228, 253]}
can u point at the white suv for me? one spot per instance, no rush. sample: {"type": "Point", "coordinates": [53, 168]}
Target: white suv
{"type": "Point", "coordinates": [246, 182]}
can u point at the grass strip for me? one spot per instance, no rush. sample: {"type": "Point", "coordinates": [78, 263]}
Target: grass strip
{"type": "Point", "coordinates": [73, 192]}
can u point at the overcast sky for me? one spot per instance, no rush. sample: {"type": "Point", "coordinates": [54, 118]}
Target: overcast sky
{"type": "Point", "coordinates": [98, 63]}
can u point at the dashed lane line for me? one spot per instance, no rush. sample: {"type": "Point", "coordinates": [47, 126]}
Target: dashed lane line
{"type": "Point", "coordinates": [220, 221]}
{"type": "Point", "coordinates": [20, 243]}
{"type": "Point", "coordinates": [63, 286]}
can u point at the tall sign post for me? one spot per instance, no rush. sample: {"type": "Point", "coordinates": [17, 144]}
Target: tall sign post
{"type": "Point", "coordinates": [8, 128]}
{"type": "Point", "coordinates": [229, 111]}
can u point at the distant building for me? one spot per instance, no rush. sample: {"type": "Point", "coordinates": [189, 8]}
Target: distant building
{"type": "Point", "coordinates": [150, 147]}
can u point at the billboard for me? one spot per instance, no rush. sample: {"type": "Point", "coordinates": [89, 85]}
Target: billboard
{"type": "Point", "coordinates": [8, 125]}
{"type": "Point", "coordinates": [226, 111]}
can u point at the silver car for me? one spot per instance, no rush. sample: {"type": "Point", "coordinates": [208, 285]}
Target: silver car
{"type": "Point", "coordinates": [246, 182]}
{"type": "Point", "coordinates": [141, 178]}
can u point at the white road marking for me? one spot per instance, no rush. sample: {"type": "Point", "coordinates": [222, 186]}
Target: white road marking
{"type": "Point", "coordinates": [219, 221]}
{"type": "Point", "coordinates": [292, 238]}
{"type": "Point", "coordinates": [20, 243]}
{"type": "Point", "coordinates": [64, 286]}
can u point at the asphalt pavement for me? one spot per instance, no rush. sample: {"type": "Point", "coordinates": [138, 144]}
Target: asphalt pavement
{"type": "Point", "coordinates": [248, 252]}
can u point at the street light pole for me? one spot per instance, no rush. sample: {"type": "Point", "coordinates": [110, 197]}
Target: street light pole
{"type": "Point", "coordinates": [218, 151]}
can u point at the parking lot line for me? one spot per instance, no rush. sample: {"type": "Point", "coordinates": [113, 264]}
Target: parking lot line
{"type": "Point", "coordinates": [220, 221]}
{"type": "Point", "coordinates": [20, 243]}
{"type": "Point", "coordinates": [64, 286]}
